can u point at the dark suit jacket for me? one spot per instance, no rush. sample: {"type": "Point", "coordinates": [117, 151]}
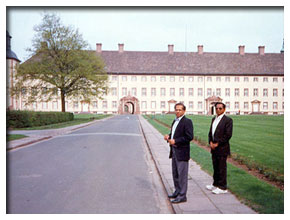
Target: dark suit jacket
{"type": "Point", "coordinates": [183, 135]}
{"type": "Point", "coordinates": [222, 135]}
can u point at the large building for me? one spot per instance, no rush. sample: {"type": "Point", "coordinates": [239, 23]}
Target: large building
{"type": "Point", "coordinates": [152, 82]}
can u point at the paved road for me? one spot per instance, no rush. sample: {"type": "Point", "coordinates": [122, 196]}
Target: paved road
{"type": "Point", "coordinates": [102, 168]}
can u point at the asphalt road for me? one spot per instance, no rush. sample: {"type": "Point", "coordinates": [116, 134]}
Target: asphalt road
{"type": "Point", "coordinates": [102, 168]}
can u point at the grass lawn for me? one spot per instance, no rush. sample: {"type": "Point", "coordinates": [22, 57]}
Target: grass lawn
{"type": "Point", "coordinates": [13, 137]}
{"type": "Point", "coordinates": [257, 141]}
{"type": "Point", "coordinates": [261, 196]}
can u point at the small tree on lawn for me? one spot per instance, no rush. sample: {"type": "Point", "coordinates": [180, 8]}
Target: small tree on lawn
{"type": "Point", "coordinates": [60, 62]}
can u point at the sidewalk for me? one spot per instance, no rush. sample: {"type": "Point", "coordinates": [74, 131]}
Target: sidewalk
{"type": "Point", "coordinates": [35, 136]}
{"type": "Point", "coordinates": [199, 200]}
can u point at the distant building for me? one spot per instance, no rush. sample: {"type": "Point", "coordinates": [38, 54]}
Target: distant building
{"type": "Point", "coordinates": [152, 82]}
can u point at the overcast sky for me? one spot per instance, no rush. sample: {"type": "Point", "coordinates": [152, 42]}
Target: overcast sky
{"type": "Point", "coordinates": [152, 29]}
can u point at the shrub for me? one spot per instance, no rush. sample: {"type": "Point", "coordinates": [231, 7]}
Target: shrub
{"type": "Point", "coordinates": [24, 119]}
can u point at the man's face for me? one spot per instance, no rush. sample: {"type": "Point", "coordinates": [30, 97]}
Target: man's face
{"type": "Point", "coordinates": [219, 109]}
{"type": "Point", "coordinates": [179, 111]}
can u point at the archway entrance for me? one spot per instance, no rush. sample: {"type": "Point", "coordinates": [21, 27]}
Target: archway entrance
{"type": "Point", "coordinates": [129, 105]}
{"type": "Point", "coordinates": [210, 102]}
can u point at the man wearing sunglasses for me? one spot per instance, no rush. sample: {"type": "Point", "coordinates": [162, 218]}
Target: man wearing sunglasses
{"type": "Point", "coordinates": [219, 135]}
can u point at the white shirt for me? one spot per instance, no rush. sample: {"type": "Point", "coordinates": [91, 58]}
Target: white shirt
{"type": "Point", "coordinates": [215, 123]}
{"type": "Point", "coordinates": [177, 120]}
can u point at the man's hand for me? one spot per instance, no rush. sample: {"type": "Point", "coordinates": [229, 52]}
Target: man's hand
{"type": "Point", "coordinates": [166, 137]}
{"type": "Point", "coordinates": [212, 145]}
{"type": "Point", "coordinates": [171, 142]}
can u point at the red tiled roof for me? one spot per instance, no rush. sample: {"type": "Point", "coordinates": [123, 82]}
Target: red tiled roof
{"type": "Point", "coordinates": [133, 62]}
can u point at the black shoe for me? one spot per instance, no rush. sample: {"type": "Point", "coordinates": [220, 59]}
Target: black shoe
{"type": "Point", "coordinates": [173, 196]}
{"type": "Point", "coordinates": [179, 200]}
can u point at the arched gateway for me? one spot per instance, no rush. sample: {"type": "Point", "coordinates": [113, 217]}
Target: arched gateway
{"type": "Point", "coordinates": [129, 105]}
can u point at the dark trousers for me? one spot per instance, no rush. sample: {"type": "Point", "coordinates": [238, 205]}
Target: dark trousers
{"type": "Point", "coordinates": [180, 176]}
{"type": "Point", "coordinates": [219, 171]}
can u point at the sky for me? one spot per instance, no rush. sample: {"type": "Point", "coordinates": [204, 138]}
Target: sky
{"type": "Point", "coordinates": [218, 29]}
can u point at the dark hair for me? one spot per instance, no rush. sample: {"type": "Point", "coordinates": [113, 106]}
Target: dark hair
{"type": "Point", "coordinates": [179, 103]}
{"type": "Point", "coordinates": [219, 103]}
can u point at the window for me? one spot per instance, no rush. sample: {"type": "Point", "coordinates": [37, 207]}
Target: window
{"type": "Point", "coordinates": [228, 91]}
{"type": "Point", "coordinates": [114, 104]}
{"type": "Point", "coordinates": [95, 104]}
{"type": "Point", "coordinates": [23, 91]}
{"type": "Point", "coordinates": [200, 79]}
{"type": "Point", "coordinates": [275, 105]}
{"type": "Point", "coordinates": [144, 92]}
{"type": "Point", "coordinates": [114, 78]}
{"type": "Point", "coordinates": [133, 78]}
{"type": "Point", "coordinates": [54, 105]}
{"type": "Point", "coordinates": [246, 92]}
{"type": "Point", "coordinates": [228, 79]}
{"type": "Point", "coordinates": [246, 79]}
{"type": "Point", "coordinates": [172, 92]}
{"type": "Point", "coordinates": [275, 92]}
{"type": "Point", "coordinates": [162, 79]}
{"type": "Point", "coordinates": [256, 79]}
{"type": "Point", "coordinates": [76, 105]}
{"type": "Point", "coordinates": [237, 105]}
{"type": "Point", "coordinates": [134, 91]}
{"type": "Point", "coordinates": [181, 79]}
{"type": "Point", "coordinates": [218, 78]}
{"type": "Point", "coordinates": [209, 91]}
{"type": "Point", "coordinates": [237, 79]}
{"type": "Point", "coordinates": [163, 91]}
{"type": "Point", "coordinates": [144, 104]}
{"type": "Point", "coordinates": [124, 78]}
{"type": "Point", "coordinates": [44, 105]}
{"type": "Point", "coordinates": [34, 106]}
{"type": "Point", "coordinates": [255, 92]}
{"type": "Point", "coordinates": [228, 105]}
{"type": "Point", "coordinates": [190, 79]}
{"type": "Point", "coordinates": [181, 91]}
{"type": "Point", "coordinates": [190, 91]}
{"type": "Point", "coordinates": [153, 104]}
{"type": "Point", "coordinates": [114, 91]}
{"type": "Point", "coordinates": [209, 79]}
{"type": "Point", "coordinates": [105, 104]}
{"type": "Point", "coordinates": [143, 78]}
{"type": "Point", "coordinates": [199, 91]}
{"type": "Point", "coordinates": [218, 92]}
{"type": "Point", "coordinates": [162, 104]}
{"type": "Point", "coordinates": [265, 105]}
{"type": "Point", "coordinates": [265, 92]}
{"type": "Point", "coordinates": [199, 105]}
{"type": "Point", "coordinates": [172, 78]}
{"type": "Point", "coordinates": [124, 91]}
{"type": "Point", "coordinates": [153, 78]}
{"type": "Point", "coordinates": [275, 79]}
{"type": "Point", "coordinates": [237, 92]}
{"type": "Point", "coordinates": [246, 105]}
{"type": "Point", "coordinates": [190, 105]}
{"type": "Point", "coordinates": [265, 79]}
{"type": "Point", "coordinates": [153, 91]}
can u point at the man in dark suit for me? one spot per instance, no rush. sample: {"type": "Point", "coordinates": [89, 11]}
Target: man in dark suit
{"type": "Point", "coordinates": [220, 133]}
{"type": "Point", "coordinates": [179, 140]}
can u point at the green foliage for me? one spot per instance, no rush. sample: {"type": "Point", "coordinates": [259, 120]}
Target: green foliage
{"type": "Point", "coordinates": [60, 62]}
{"type": "Point", "coordinates": [24, 119]}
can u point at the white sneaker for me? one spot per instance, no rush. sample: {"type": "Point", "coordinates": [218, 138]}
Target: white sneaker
{"type": "Point", "coordinates": [219, 191]}
{"type": "Point", "coordinates": [210, 187]}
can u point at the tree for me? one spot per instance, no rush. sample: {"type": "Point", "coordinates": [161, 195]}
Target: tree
{"type": "Point", "coordinates": [60, 62]}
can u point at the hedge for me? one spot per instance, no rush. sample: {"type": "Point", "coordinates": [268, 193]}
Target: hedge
{"type": "Point", "coordinates": [24, 119]}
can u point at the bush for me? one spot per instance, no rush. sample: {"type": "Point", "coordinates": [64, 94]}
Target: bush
{"type": "Point", "coordinates": [25, 119]}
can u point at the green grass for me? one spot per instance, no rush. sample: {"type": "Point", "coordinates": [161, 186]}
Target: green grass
{"type": "Point", "coordinates": [78, 119]}
{"type": "Point", "coordinates": [257, 141]}
{"type": "Point", "coordinates": [256, 193]}
{"type": "Point", "coordinates": [12, 137]}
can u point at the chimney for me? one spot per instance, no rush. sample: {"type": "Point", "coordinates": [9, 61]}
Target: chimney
{"type": "Point", "coordinates": [99, 48]}
{"type": "Point", "coordinates": [121, 48]}
{"type": "Point", "coordinates": [200, 49]}
{"type": "Point", "coordinates": [170, 49]}
{"type": "Point", "coordinates": [261, 50]}
{"type": "Point", "coordinates": [242, 50]}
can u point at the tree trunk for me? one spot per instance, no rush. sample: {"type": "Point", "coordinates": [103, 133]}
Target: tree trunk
{"type": "Point", "coordinates": [62, 101]}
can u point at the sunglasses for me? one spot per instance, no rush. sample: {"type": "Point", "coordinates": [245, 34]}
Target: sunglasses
{"type": "Point", "coordinates": [218, 108]}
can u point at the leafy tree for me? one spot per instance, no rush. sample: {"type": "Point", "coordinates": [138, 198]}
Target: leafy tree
{"type": "Point", "coordinates": [60, 62]}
